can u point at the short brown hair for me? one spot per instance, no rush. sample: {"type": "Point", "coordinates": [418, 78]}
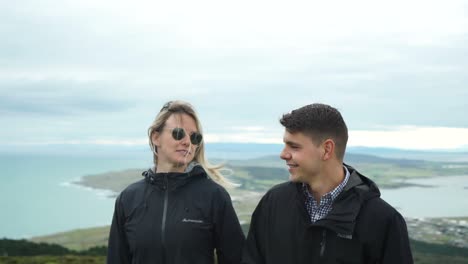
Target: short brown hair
{"type": "Point", "coordinates": [320, 122]}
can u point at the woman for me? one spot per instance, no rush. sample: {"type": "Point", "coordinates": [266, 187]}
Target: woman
{"type": "Point", "coordinates": [179, 213]}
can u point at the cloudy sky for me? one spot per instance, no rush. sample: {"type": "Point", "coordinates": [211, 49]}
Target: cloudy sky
{"type": "Point", "coordinates": [97, 72]}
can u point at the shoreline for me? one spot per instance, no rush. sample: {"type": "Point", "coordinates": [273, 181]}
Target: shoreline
{"type": "Point", "coordinates": [412, 182]}
{"type": "Point", "coordinates": [99, 192]}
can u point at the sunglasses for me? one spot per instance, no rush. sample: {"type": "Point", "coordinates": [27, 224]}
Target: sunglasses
{"type": "Point", "coordinates": [179, 133]}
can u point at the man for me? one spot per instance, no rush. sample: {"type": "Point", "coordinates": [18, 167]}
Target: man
{"type": "Point", "coordinates": [328, 212]}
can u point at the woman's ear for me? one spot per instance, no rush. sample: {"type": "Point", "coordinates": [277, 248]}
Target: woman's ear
{"type": "Point", "coordinates": [155, 138]}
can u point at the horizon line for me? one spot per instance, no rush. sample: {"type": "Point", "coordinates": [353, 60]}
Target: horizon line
{"type": "Point", "coordinates": [405, 137]}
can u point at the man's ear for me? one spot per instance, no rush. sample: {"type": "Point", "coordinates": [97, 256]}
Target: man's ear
{"type": "Point", "coordinates": [328, 149]}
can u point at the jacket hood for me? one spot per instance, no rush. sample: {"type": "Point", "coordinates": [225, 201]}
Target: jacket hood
{"type": "Point", "coordinates": [365, 187]}
{"type": "Point", "coordinates": [174, 180]}
{"type": "Point", "coordinates": [347, 205]}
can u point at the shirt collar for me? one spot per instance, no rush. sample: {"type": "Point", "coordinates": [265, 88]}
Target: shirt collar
{"type": "Point", "coordinates": [333, 193]}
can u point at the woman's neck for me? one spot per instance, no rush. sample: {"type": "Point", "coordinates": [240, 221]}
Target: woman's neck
{"type": "Point", "coordinates": [163, 168]}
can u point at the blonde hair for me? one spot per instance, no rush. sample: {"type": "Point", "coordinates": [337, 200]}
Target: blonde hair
{"type": "Point", "coordinates": [181, 107]}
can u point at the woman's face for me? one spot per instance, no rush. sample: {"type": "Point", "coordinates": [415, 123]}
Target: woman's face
{"type": "Point", "coordinates": [174, 155]}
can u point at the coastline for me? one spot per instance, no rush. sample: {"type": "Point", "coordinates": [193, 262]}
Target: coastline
{"type": "Point", "coordinates": [108, 184]}
{"type": "Point", "coordinates": [99, 192]}
{"type": "Point", "coordinates": [438, 230]}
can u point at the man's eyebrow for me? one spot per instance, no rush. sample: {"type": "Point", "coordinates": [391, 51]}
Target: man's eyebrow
{"type": "Point", "coordinates": [289, 142]}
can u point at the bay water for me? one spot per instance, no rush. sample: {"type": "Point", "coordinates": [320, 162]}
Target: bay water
{"type": "Point", "coordinates": [443, 196]}
{"type": "Point", "coordinates": [37, 197]}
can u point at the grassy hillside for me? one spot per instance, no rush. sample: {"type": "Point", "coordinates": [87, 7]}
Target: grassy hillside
{"type": "Point", "coordinates": [53, 260]}
{"type": "Point", "coordinates": [418, 259]}
{"type": "Point", "coordinates": [423, 253]}
{"type": "Point", "coordinates": [80, 239]}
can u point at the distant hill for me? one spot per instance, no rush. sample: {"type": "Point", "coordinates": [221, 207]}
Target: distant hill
{"type": "Point", "coordinates": [227, 151]}
{"type": "Point", "coordinates": [231, 151]}
{"type": "Point", "coordinates": [457, 155]}
{"type": "Point", "coordinates": [261, 173]}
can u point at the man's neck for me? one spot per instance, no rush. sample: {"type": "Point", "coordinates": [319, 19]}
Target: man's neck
{"type": "Point", "coordinates": [326, 181]}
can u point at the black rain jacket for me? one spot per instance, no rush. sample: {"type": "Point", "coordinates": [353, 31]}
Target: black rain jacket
{"type": "Point", "coordinates": [360, 228]}
{"type": "Point", "coordinates": [175, 218]}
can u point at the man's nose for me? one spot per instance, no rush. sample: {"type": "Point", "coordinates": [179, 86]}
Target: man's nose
{"type": "Point", "coordinates": [285, 154]}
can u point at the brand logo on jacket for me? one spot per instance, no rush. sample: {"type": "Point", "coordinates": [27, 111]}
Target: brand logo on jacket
{"type": "Point", "coordinates": [198, 221]}
{"type": "Point", "coordinates": [345, 236]}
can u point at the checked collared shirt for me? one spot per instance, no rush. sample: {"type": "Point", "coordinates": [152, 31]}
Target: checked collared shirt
{"type": "Point", "coordinates": [319, 211]}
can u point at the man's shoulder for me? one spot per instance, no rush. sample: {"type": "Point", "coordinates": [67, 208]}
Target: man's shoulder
{"type": "Point", "coordinates": [283, 189]}
{"type": "Point", "coordinates": [279, 197]}
{"type": "Point", "coordinates": [380, 208]}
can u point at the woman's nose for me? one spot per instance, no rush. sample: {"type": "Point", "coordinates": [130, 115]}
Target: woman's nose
{"type": "Point", "coordinates": [186, 140]}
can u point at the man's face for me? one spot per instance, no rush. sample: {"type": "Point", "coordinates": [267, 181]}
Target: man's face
{"type": "Point", "coordinates": [302, 156]}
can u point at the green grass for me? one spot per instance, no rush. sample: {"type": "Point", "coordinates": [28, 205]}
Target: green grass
{"type": "Point", "coordinates": [427, 258]}
{"type": "Point", "coordinates": [53, 260]}
{"type": "Point", "coordinates": [423, 253]}
{"type": "Point", "coordinates": [80, 239]}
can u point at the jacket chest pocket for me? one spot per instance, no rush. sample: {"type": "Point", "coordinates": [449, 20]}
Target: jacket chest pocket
{"type": "Point", "coordinates": [196, 228]}
{"type": "Point", "coordinates": [196, 235]}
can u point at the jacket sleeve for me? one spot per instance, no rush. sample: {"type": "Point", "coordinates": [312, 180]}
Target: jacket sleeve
{"type": "Point", "coordinates": [118, 250]}
{"type": "Point", "coordinates": [229, 237]}
{"type": "Point", "coordinates": [396, 246]}
{"type": "Point", "coordinates": [254, 249]}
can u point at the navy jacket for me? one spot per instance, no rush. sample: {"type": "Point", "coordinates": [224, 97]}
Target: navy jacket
{"type": "Point", "coordinates": [175, 218]}
{"type": "Point", "coordinates": [361, 228]}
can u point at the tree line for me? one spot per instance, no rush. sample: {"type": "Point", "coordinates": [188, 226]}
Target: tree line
{"type": "Point", "coordinates": [22, 247]}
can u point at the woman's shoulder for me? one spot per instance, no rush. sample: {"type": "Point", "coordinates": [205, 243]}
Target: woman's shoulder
{"type": "Point", "coordinates": [209, 187]}
{"type": "Point", "coordinates": [133, 188]}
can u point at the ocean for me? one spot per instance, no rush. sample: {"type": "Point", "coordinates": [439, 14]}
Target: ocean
{"type": "Point", "coordinates": [37, 197]}
{"type": "Point", "coordinates": [444, 196]}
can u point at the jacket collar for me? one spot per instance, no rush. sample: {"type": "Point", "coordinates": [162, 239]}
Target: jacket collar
{"type": "Point", "coordinates": [347, 205]}
{"type": "Point", "coordinates": [173, 180]}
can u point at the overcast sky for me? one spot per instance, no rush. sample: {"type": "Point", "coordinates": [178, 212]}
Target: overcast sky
{"type": "Point", "coordinates": [97, 72]}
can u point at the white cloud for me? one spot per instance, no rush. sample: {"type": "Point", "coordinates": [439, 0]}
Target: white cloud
{"type": "Point", "coordinates": [409, 137]}
{"type": "Point", "coordinates": [102, 63]}
{"type": "Point", "coordinates": [246, 137]}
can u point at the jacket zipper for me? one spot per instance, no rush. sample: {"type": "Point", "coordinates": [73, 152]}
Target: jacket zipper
{"type": "Point", "coordinates": [323, 243]}
{"type": "Point", "coordinates": [163, 224]}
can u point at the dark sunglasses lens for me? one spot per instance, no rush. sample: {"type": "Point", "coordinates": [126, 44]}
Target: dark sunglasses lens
{"type": "Point", "coordinates": [178, 133]}
{"type": "Point", "coordinates": [196, 138]}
